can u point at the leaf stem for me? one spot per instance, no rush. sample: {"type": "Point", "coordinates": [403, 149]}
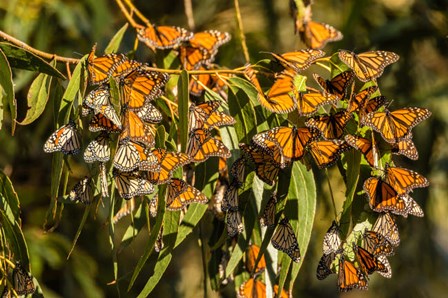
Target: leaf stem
{"type": "Point", "coordinates": [332, 197]}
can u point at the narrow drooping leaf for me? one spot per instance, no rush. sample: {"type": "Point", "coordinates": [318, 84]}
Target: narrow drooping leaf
{"type": "Point", "coordinates": [114, 43]}
{"type": "Point", "coordinates": [171, 225]}
{"type": "Point", "coordinates": [16, 240]}
{"type": "Point", "coordinates": [37, 98]}
{"type": "Point", "coordinates": [353, 160]}
{"type": "Point", "coordinates": [7, 98]}
{"type": "Point", "coordinates": [74, 93]}
{"type": "Point", "coordinates": [9, 202]}
{"type": "Point", "coordinates": [183, 96]}
{"type": "Point", "coordinates": [149, 248]}
{"type": "Point", "coordinates": [21, 58]}
{"type": "Point", "coordinates": [241, 108]}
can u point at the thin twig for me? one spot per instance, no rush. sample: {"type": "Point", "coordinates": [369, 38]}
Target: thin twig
{"type": "Point", "coordinates": [41, 54]}
{"type": "Point", "coordinates": [137, 12]}
{"type": "Point", "coordinates": [127, 14]}
{"type": "Point", "coordinates": [195, 72]}
{"type": "Point", "coordinates": [241, 31]}
{"type": "Point", "coordinates": [189, 14]}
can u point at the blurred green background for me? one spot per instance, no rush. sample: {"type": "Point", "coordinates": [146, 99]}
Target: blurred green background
{"type": "Point", "coordinates": [415, 29]}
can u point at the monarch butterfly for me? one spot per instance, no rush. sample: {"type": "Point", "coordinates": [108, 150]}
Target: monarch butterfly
{"type": "Point", "coordinates": [163, 37]}
{"type": "Point", "coordinates": [206, 116]}
{"type": "Point", "coordinates": [404, 180]}
{"type": "Point", "coordinates": [234, 223]}
{"type": "Point", "coordinates": [300, 60]}
{"type": "Point", "coordinates": [100, 122]}
{"type": "Point", "coordinates": [266, 167]}
{"type": "Point", "coordinates": [82, 191]}
{"type": "Point", "coordinates": [406, 148]}
{"type": "Point", "coordinates": [368, 65]}
{"type": "Point", "coordinates": [131, 155]}
{"type": "Point", "coordinates": [367, 261]}
{"type": "Point", "coordinates": [101, 68]}
{"type": "Point", "coordinates": [167, 162]}
{"type": "Point", "coordinates": [284, 239]}
{"type": "Point", "coordinates": [327, 153]}
{"type": "Point", "coordinates": [252, 288]}
{"type": "Point", "coordinates": [65, 139]}
{"type": "Point", "coordinates": [309, 103]}
{"type": "Point", "coordinates": [377, 244]}
{"type": "Point", "coordinates": [202, 145]}
{"type": "Point", "coordinates": [237, 171]}
{"type": "Point", "coordinates": [158, 246]}
{"type": "Point", "coordinates": [230, 200]}
{"type": "Point", "coordinates": [387, 271]}
{"type": "Point", "coordinates": [349, 277]}
{"type": "Point", "coordinates": [202, 48]}
{"type": "Point", "coordinates": [127, 208]}
{"type": "Point", "coordinates": [136, 130]}
{"type": "Point", "coordinates": [252, 254]}
{"type": "Point", "coordinates": [395, 125]}
{"type": "Point", "coordinates": [97, 98]}
{"type": "Point", "coordinates": [331, 126]}
{"type": "Point", "coordinates": [324, 266]}
{"type": "Point", "coordinates": [412, 207]}
{"type": "Point", "coordinates": [98, 149]}
{"type": "Point", "coordinates": [181, 194]}
{"type": "Point", "coordinates": [367, 148]}
{"type": "Point", "coordinates": [99, 101]}
{"type": "Point", "coordinates": [280, 98]}
{"type": "Point", "coordinates": [332, 239]}
{"type": "Point", "coordinates": [337, 86]}
{"type": "Point", "coordinates": [290, 140]}
{"type": "Point", "coordinates": [360, 101]}
{"type": "Point", "coordinates": [131, 184]}
{"type": "Point", "coordinates": [22, 281]}
{"type": "Point", "coordinates": [316, 35]}
{"type": "Point", "coordinates": [267, 218]}
{"type": "Point", "coordinates": [103, 180]}
{"type": "Point", "coordinates": [149, 113]}
{"type": "Point", "coordinates": [386, 226]}
{"type": "Point", "coordinates": [141, 86]}
{"type": "Point", "coordinates": [382, 197]}
{"type": "Point", "coordinates": [124, 68]}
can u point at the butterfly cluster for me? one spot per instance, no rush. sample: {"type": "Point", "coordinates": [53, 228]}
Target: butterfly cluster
{"type": "Point", "coordinates": [138, 166]}
{"type": "Point", "coordinates": [351, 120]}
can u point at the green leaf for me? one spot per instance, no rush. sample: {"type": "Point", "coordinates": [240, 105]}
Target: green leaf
{"type": "Point", "coordinates": [9, 202]}
{"type": "Point", "coordinates": [78, 232]}
{"type": "Point", "coordinates": [23, 59]}
{"type": "Point", "coordinates": [7, 98]}
{"type": "Point", "coordinates": [353, 161]}
{"type": "Point", "coordinates": [241, 108]}
{"type": "Point", "coordinates": [16, 240]}
{"type": "Point", "coordinates": [183, 96]}
{"type": "Point", "coordinates": [114, 43]}
{"type": "Point", "coordinates": [152, 237]}
{"type": "Point", "coordinates": [138, 223]}
{"type": "Point", "coordinates": [37, 98]}
{"type": "Point", "coordinates": [171, 225]}
{"type": "Point", "coordinates": [300, 209]}
{"type": "Point", "coordinates": [74, 93]}
{"type": "Point", "coordinates": [302, 189]}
